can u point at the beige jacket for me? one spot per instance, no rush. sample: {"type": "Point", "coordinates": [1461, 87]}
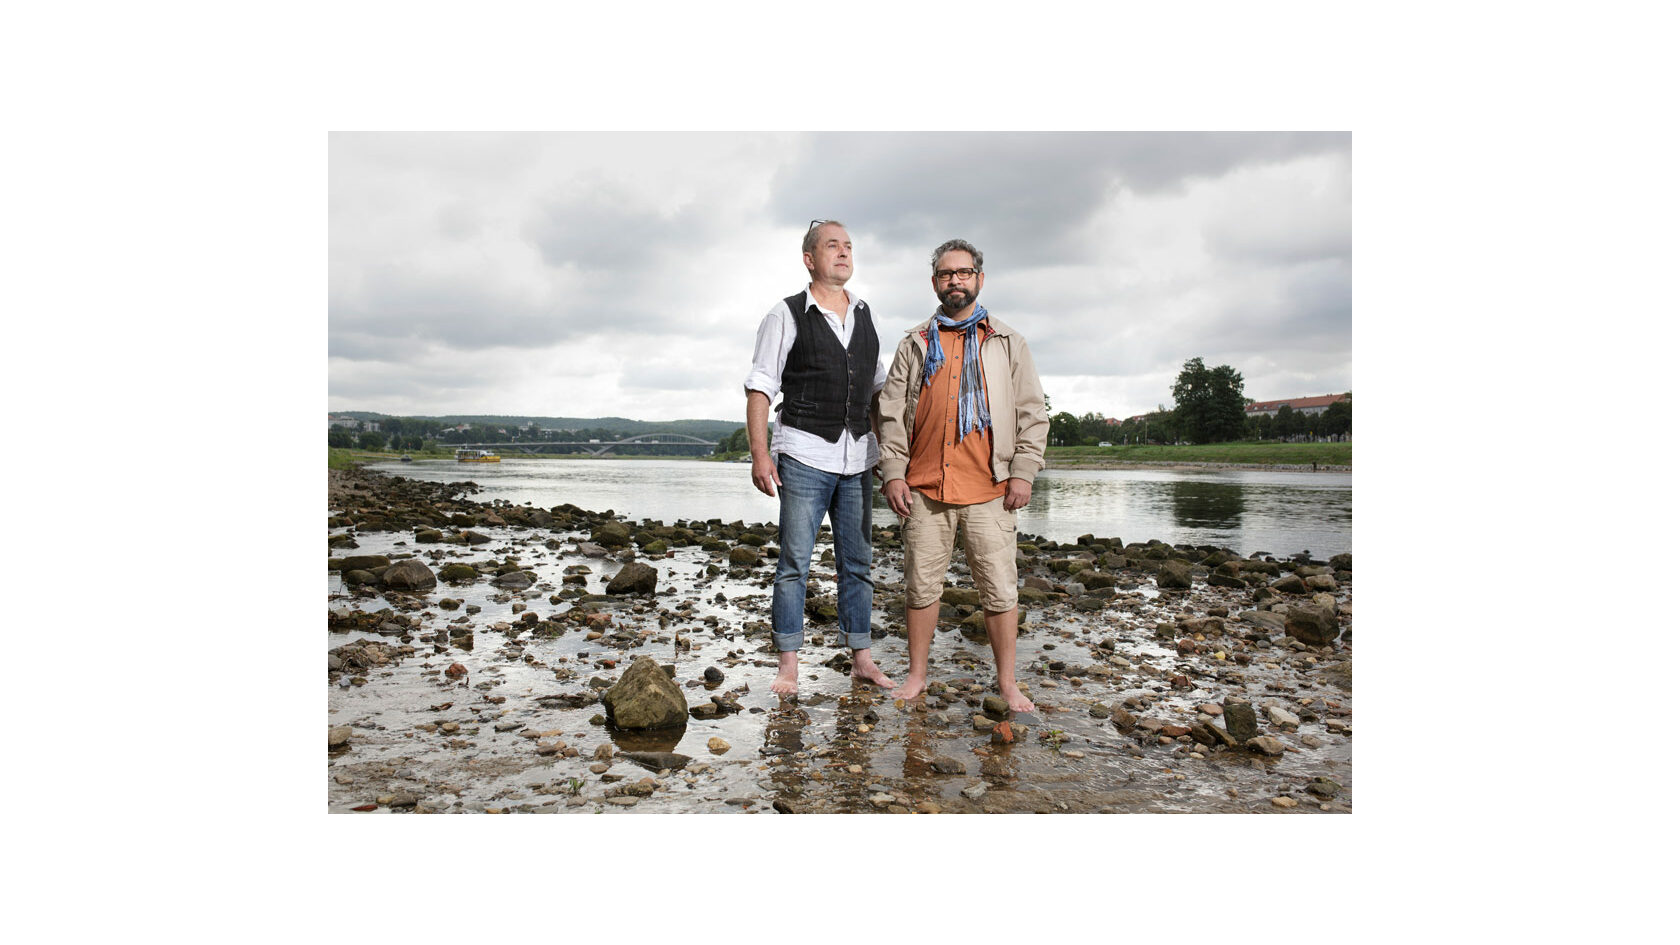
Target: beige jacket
{"type": "Point", "coordinates": [1020, 424]}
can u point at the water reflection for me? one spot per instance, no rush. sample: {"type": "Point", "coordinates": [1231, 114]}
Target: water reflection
{"type": "Point", "coordinates": [1203, 504]}
{"type": "Point", "coordinates": [1246, 510]}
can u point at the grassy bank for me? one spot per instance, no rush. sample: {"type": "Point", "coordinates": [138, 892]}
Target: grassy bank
{"type": "Point", "coordinates": [1263, 454]}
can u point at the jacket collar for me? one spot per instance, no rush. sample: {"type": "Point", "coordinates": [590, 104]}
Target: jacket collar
{"type": "Point", "coordinates": [998, 328]}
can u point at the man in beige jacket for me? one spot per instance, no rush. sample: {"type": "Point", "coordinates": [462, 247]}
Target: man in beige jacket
{"type": "Point", "coordinates": [963, 428]}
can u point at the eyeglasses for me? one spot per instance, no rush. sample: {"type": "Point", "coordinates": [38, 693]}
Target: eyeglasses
{"type": "Point", "coordinates": [946, 275]}
{"type": "Point", "coordinates": [816, 223]}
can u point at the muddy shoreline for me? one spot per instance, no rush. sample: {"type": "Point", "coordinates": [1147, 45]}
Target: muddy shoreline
{"type": "Point", "coordinates": [469, 644]}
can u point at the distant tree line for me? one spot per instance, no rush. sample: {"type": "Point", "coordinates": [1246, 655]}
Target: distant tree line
{"type": "Point", "coordinates": [1208, 407]}
{"type": "Point", "coordinates": [409, 433]}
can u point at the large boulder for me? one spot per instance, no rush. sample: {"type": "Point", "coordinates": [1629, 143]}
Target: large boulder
{"type": "Point", "coordinates": [611, 535]}
{"type": "Point", "coordinates": [744, 556]}
{"type": "Point", "coordinates": [645, 697]}
{"type": "Point", "coordinates": [1311, 624]}
{"type": "Point", "coordinates": [634, 578]}
{"type": "Point", "coordinates": [1173, 573]}
{"type": "Point", "coordinates": [409, 575]}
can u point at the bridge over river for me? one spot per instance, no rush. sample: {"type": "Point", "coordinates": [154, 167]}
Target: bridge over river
{"type": "Point", "coordinates": [662, 443]}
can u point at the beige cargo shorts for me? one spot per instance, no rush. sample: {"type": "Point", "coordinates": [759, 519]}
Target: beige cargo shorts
{"type": "Point", "coordinates": [988, 541]}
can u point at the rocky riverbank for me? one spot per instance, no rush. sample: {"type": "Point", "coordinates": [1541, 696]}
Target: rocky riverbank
{"type": "Point", "coordinates": [499, 658]}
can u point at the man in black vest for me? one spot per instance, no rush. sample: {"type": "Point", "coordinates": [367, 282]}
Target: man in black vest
{"type": "Point", "coordinates": [819, 350]}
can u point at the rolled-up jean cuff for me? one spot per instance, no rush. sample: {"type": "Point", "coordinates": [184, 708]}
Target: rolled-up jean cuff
{"type": "Point", "coordinates": [787, 641]}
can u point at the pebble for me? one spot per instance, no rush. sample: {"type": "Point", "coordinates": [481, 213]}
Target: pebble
{"type": "Point", "coordinates": [974, 791]}
{"type": "Point", "coordinates": [1284, 802]}
{"type": "Point", "coordinates": [716, 746]}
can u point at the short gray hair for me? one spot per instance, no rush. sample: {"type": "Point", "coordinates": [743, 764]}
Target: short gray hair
{"type": "Point", "coordinates": [810, 243]}
{"type": "Point", "coordinates": [965, 246]}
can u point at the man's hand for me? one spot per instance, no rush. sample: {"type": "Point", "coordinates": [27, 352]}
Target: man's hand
{"type": "Point", "coordinates": [765, 476]}
{"type": "Point", "coordinates": [1017, 495]}
{"type": "Point", "coordinates": [898, 496]}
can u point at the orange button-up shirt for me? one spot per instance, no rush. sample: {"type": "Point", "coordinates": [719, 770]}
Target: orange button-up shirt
{"type": "Point", "coordinates": [941, 467]}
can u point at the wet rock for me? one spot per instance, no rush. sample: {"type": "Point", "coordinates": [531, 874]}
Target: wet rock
{"type": "Point", "coordinates": [611, 535]}
{"type": "Point", "coordinates": [995, 707]}
{"type": "Point", "coordinates": [1265, 744]}
{"type": "Point", "coordinates": [717, 746]}
{"type": "Point", "coordinates": [945, 764]}
{"type": "Point", "coordinates": [1338, 674]}
{"type": "Point", "coordinates": [409, 575]}
{"type": "Point", "coordinates": [744, 556]}
{"type": "Point", "coordinates": [475, 538]}
{"type": "Point", "coordinates": [634, 578]}
{"type": "Point", "coordinates": [1342, 562]}
{"type": "Point", "coordinates": [645, 697]}
{"type": "Point", "coordinates": [363, 563]}
{"type": "Point", "coordinates": [1311, 624]}
{"type": "Point", "coordinates": [1323, 787]}
{"type": "Point", "coordinates": [1212, 735]}
{"type": "Point", "coordinates": [1284, 802]}
{"type": "Point", "coordinates": [1241, 722]}
{"type": "Point", "coordinates": [358, 577]}
{"type": "Point", "coordinates": [974, 791]}
{"type": "Point", "coordinates": [338, 735]}
{"type": "Point", "coordinates": [1281, 717]}
{"type": "Point", "coordinates": [713, 674]}
{"type": "Point", "coordinates": [1123, 720]}
{"type": "Point", "coordinates": [643, 788]}
{"type": "Point", "coordinates": [1264, 619]}
{"type": "Point", "coordinates": [514, 580]}
{"type": "Point", "coordinates": [1173, 574]}
{"type": "Point", "coordinates": [1094, 579]}
{"type": "Point", "coordinates": [1289, 584]}
{"type": "Point", "coordinates": [657, 760]}
{"type": "Point", "coordinates": [455, 671]}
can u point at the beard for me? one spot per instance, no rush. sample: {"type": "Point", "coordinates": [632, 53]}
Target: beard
{"type": "Point", "coordinates": [957, 298]}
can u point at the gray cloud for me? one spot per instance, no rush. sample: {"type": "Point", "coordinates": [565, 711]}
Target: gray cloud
{"type": "Point", "coordinates": [487, 268]}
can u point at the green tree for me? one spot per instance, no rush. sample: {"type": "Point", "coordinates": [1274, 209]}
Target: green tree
{"type": "Point", "coordinates": [1290, 422]}
{"type": "Point", "coordinates": [1064, 429]}
{"type": "Point", "coordinates": [1338, 417]}
{"type": "Point", "coordinates": [340, 438]}
{"type": "Point", "coordinates": [1208, 402]}
{"type": "Point", "coordinates": [371, 441]}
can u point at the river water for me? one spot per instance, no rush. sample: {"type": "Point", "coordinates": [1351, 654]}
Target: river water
{"type": "Point", "coordinates": [1246, 510]}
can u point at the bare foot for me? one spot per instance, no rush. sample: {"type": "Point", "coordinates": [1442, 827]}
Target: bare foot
{"type": "Point", "coordinates": [786, 682]}
{"type": "Point", "coordinates": [864, 668]}
{"type": "Point", "coordinates": [912, 688]}
{"type": "Point", "coordinates": [1016, 699]}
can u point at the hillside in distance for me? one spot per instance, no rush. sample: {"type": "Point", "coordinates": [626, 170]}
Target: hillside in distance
{"type": "Point", "coordinates": [705, 429]}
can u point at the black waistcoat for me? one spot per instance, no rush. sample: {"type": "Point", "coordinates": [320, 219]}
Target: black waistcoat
{"type": "Point", "coordinates": [827, 388]}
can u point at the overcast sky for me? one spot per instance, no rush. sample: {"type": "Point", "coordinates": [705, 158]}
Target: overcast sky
{"type": "Point", "coordinates": [625, 274]}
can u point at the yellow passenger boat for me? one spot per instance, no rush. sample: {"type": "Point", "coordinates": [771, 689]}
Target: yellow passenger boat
{"type": "Point", "coordinates": [476, 456]}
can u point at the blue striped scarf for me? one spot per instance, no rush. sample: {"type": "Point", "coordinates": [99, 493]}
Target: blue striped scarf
{"type": "Point", "coordinates": [972, 414]}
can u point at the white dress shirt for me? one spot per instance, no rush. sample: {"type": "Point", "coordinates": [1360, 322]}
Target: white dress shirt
{"type": "Point", "coordinates": [847, 456]}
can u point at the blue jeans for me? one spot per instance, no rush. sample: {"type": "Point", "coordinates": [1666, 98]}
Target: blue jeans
{"type": "Point", "coordinates": [807, 495]}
